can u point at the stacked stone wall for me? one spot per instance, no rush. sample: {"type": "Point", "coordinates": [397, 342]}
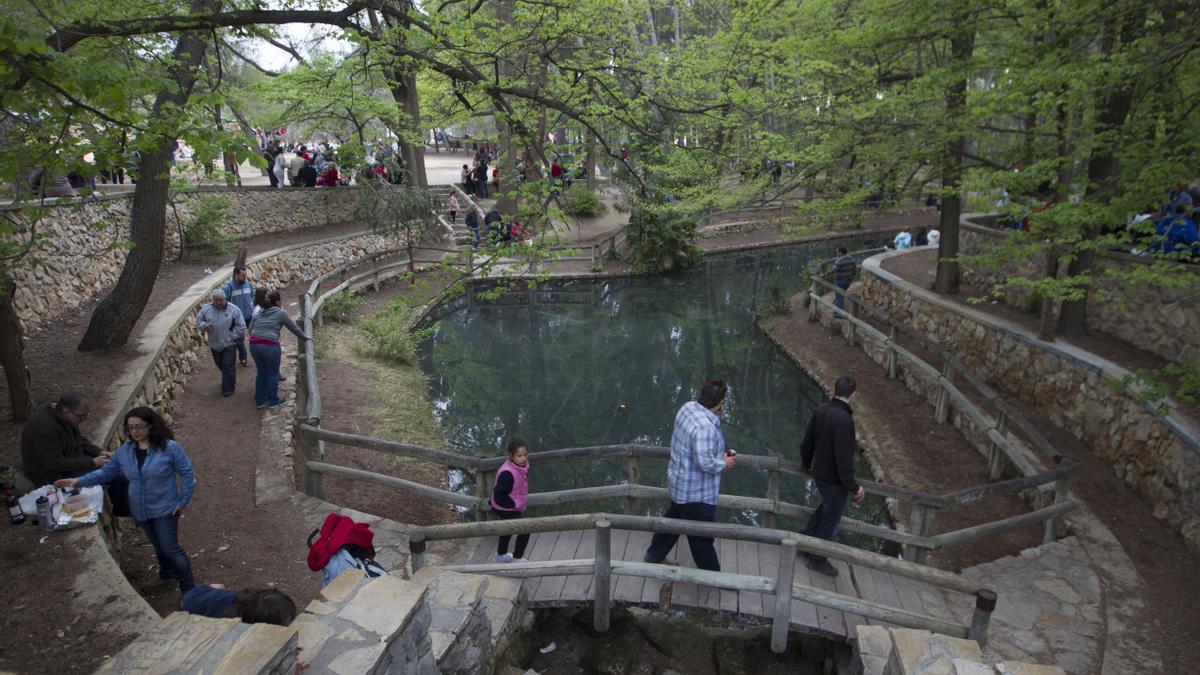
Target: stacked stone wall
{"type": "Point", "coordinates": [79, 245]}
{"type": "Point", "coordinates": [1159, 319]}
{"type": "Point", "coordinates": [1158, 456]}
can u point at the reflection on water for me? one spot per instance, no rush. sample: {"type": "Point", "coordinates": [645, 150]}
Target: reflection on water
{"type": "Point", "coordinates": [610, 361]}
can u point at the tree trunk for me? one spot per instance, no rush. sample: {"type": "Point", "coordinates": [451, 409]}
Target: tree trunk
{"type": "Point", "coordinates": [1103, 169]}
{"type": "Point", "coordinates": [962, 45]}
{"type": "Point", "coordinates": [12, 352]}
{"type": "Point", "coordinates": [114, 318]}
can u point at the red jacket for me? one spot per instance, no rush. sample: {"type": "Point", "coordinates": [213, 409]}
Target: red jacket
{"type": "Point", "coordinates": [338, 531]}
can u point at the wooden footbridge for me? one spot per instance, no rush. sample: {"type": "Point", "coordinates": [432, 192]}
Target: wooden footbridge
{"type": "Point", "coordinates": [597, 557]}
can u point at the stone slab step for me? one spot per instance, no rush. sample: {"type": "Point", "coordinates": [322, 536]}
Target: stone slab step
{"type": "Point", "coordinates": [187, 643]}
{"type": "Point", "coordinates": [460, 631]}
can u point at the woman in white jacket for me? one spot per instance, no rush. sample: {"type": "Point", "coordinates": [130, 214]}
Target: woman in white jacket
{"type": "Point", "coordinates": [280, 168]}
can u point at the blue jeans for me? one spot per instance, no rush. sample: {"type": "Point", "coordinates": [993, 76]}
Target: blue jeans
{"type": "Point", "coordinates": [481, 189]}
{"type": "Point", "coordinates": [702, 548]}
{"type": "Point", "coordinates": [824, 521]}
{"type": "Point", "coordinates": [839, 299]}
{"type": "Point", "coordinates": [163, 534]}
{"type": "Point", "coordinates": [241, 347]}
{"type": "Point", "coordinates": [266, 382]}
{"type": "Point", "coordinates": [228, 367]}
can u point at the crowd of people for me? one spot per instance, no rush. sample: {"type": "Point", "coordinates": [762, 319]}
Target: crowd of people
{"type": "Point", "coordinates": [315, 168]}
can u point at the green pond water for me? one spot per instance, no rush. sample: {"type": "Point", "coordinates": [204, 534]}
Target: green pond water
{"type": "Point", "coordinates": [602, 362]}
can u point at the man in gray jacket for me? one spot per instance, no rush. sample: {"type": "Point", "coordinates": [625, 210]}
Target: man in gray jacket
{"type": "Point", "coordinates": [223, 326]}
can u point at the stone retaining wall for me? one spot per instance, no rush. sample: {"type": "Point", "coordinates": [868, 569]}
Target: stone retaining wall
{"type": "Point", "coordinates": [1159, 319]}
{"type": "Point", "coordinates": [81, 244]}
{"type": "Point", "coordinates": [1158, 456]}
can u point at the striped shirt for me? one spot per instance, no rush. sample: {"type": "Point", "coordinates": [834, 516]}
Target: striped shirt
{"type": "Point", "coordinates": [697, 455]}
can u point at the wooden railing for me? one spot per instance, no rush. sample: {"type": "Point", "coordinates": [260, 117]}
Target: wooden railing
{"type": "Point", "coordinates": [602, 567]}
{"type": "Point", "coordinates": [999, 447]}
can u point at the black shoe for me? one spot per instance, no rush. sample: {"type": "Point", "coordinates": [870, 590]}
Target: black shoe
{"type": "Point", "coordinates": [821, 566]}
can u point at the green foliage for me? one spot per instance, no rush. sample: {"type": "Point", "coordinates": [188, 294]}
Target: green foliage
{"type": "Point", "coordinates": [583, 202]}
{"type": "Point", "coordinates": [206, 226]}
{"type": "Point", "coordinates": [390, 337]}
{"type": "Point", "coordinates": [341, 306]}
{"type": "Point", "coordinates": [661, 240]}
{"type": "Point", "coordinates": [1181, 380]}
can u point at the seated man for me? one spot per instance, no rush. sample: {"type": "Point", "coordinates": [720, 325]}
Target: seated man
{"type": "Point", "coordinates": [307, 175]}
{"type": "Point", "coordinates": [52, 446]}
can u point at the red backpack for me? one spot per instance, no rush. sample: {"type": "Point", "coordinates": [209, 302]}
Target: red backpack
{"type": "Point", "coordinates": [336, 532]}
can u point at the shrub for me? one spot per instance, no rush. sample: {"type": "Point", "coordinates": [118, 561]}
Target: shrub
{"type": "Point", "coordinates": [583, 202]}
{"type": "Point", "coordinates": [388, 337]}
{"type": "Point", "coordinates": [340, 307]}
{"type": "Point", "coordinates": [206, 226]}
{"type": "Point", "coordinates": [662, 240]}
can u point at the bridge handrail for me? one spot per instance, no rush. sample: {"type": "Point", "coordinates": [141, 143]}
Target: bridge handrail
{"type": "Point", "coordinates": [603, 566]}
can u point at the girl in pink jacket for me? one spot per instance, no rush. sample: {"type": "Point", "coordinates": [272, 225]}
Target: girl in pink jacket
{"type": "Point", "coordinates": [509, 496]}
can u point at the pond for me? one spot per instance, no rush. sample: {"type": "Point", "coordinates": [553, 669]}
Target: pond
{"type": "Point", "coordinates": [609, 361]}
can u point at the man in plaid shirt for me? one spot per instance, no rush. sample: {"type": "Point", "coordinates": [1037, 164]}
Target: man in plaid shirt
{"type": "Point", "coordinates": [698, 458]}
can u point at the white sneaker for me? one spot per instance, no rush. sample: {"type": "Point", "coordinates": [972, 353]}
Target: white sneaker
{"type": "Point", "coordinates": [518, 560]}
{"type": "Point", "coordinates": [504, 558]}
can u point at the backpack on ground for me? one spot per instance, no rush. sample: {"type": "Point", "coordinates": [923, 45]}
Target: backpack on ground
{"type": "Point", "coordinates": [340, 534]}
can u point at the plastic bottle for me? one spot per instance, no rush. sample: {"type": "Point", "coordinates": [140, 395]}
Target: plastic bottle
{"type": "Point", "coordinates": [45, 517]}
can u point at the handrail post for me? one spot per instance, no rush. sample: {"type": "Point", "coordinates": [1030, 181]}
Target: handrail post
{"type": "Point", "coordinates": [943, 399]}
{"type": "Point", "coordinates": [481, 489]}
{"type": "Point", "coordinates": [891, 353]}
{"type": "Point", "coordinates": [985, 603]}
{"type": "Point", "coordinates": [813, 292]}
{"type": "Point", "coordinates": [919, 524]}
{"type": "Point", "coordinates": [416, 551]}
{"type": "Point", "coordinates": [996, 465]}
{"type": "Point", "coordinates": [852, 315]}
{"type": "Point", "coordinates": [602, 576]}
{"type": "Point", "coordinates": [783, 595]}
{"type": "Point", "coordinates": [1062, 492]}
{"type": "Point", "coordinates": [375, 278]}
{"type": "Point", "coordinates": [773, 495]}
{"type": "Point", "coordinates": [633, 472]}
{"type": "Point", "coordinates": [313, 450]}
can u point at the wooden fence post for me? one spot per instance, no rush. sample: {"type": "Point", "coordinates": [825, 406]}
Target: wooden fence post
{"type": "Point", "coordinates": [416, 551]}
{"type": "Point", "coordinates": [943, 399]}
{"type": "Point", "coordinates": [852, 312]}
{"type": "Point", "coordinates": [985, 602]}
{"type": "Point", "coordinates": [919, 524]}
{"type": "Point", "coordinates": [602, 576]}
{"type": "Point", "coordinates": [783, 595]}
{"type": "Point", "coordinates": [313, 450]}
{"type": "Point", "coordinates": [813, 293]}
{"type": "Point", "coordinates": [633, 472]}
{"type": "Point", "coordinates": [375, 278]}
{"type": "Point", "coordinates": [891, 353]}
{"type": "Point", "coordinates": [483, 491]}
{"type": "Point", "coordinates": [996, 465]}
{"type": "Point", "coordinates": [1062, 492]}
{"type": "Point", "coordinates": [773, 495]}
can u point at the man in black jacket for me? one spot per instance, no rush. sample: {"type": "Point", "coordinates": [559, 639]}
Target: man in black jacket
{"type": "Point", "coordinates": [52, 446]}
{"type": "Point", "coordinates": [828, 452]}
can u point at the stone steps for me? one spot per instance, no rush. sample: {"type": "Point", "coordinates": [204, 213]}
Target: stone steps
{"type": "Point", "coordinates": [904, 651]}
{"type": "Point", "coordinates": [437, 622]}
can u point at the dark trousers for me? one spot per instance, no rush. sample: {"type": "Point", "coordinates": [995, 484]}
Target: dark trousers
{"type": "Point", "coordinates": [163, 534]}
{"type": "Point", "coordinates": [266, 381]}
{"type": "Point", "coordinates": [522, 539]}
{"type": "Point", "coordinates": [703, 551]}
{"type": "Point", "coordinates": [481, 188]}
{"type": "Point", "coordinates": [824, 521]}
{"type": "Point", "coordinates": [840, 300]}
{"type": "Point", "coordinates": [226, 360]}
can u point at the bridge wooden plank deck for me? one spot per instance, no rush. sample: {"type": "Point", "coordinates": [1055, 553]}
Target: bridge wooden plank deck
{"type": "Point", "coordinates": [736, 556]}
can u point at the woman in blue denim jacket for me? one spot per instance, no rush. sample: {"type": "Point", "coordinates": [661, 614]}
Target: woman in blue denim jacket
{"type": "Point", "coordinates": [150, 461]}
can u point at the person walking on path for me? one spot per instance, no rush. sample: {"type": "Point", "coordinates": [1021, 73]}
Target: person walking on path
{"type": "Point", "coordinates": [52, 447]}
{"type": "Point", "coordinates": [151, 461]}
{"type": "Point", "coordinates": [509, 497]}
{"type": "Point", "coordinates": [266, 349]}
{"type": "Point", "coordinates": [239, 292]}
{"type": "Point", "coordinates": [828, 453]}
{"type": "Point", "coordinates": [843, 275]}
{"type": "Point", "coordinates": [698, 459]}
{"type": "Point", "coordinates": [223, 325]}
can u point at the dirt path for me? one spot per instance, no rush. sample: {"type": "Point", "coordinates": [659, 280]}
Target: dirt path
{"type": "Point", "coordinates": [925, 456]}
